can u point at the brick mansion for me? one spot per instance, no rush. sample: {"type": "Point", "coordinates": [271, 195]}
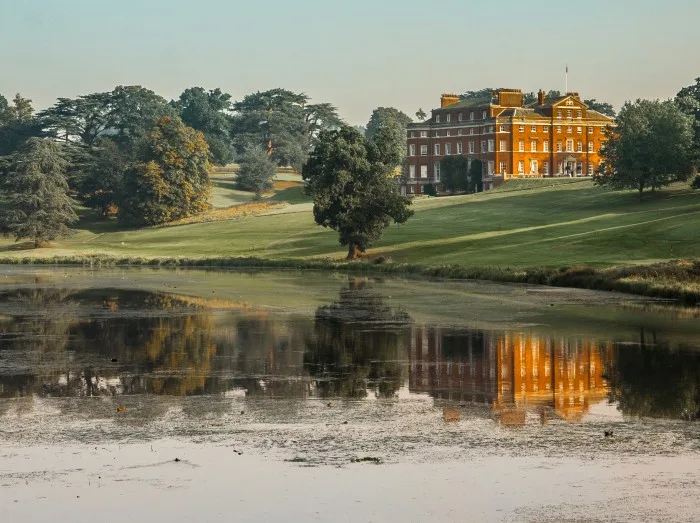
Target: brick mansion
{"type": "Point", "coordinates": [550, 137]}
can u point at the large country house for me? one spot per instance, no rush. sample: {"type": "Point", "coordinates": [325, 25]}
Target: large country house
{"type": "Point", "coordinates": [557, 136]}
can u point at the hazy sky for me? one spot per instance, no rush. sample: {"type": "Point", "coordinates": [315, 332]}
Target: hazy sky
{"type": "Point", "coordinates": [356, 54]}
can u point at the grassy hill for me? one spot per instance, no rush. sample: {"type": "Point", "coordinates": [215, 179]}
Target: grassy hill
{"type": "Point", "coordinates": [568, 224]}
{"type": "Point", "coordinates": [566, 234]}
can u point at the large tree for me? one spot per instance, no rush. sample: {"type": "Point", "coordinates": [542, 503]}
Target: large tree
{"type": "Point", "coordinates": [688, 99]}
{"type": "Point", "coordinates": [353, 188]}
{"type": "Point", "coordinates": [171, 180]}
{"type": "Point", "coordinates": [650, 147]}
{"type": "Point", "coordinates": [276, 120]}
{"type": "Point", "coordinates": [210, 113]}
{"type": "Point", "coordinates": [256, 172]}
{"type": "Point", "coordinates": [387, 128]}
{"type": "Point", "coordinates": [37, 205]}
{"type": "Point", "coordinates": [17, 123]}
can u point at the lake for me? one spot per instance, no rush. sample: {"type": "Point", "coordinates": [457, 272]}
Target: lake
{"type": "Point", "coordinates": [215, 395]}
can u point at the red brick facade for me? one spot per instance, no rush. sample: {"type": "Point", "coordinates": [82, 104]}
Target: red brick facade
{"type": "Point", "coordinates": [551, 137]}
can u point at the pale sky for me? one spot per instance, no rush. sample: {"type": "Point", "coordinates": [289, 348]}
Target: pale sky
{"type": "Point", "coordinates": [357, 54]}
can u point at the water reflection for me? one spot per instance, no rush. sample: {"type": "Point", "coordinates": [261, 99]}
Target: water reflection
{"type": "Point", "coordinates": [109, 342]}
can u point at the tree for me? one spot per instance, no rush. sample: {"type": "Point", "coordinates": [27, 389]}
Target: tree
{"type": "Point", "coordinates": [454, 172]}
{"type": "Point", "coordinates": [256, 172]}
{"type": "Point", "coordinates": [100, 182]}
{"type": "Point", "coordinates": [353, 189]}
{"type": "Point", "coordinates": [382, 115]}
{"type": "Point", "coordinates": [420, 114]}
{"type": "Point", "coordinates": [429, 189]}
{"type": "Point", "coordinates": [650, 147]}
{"type": "Point", "coordinates": [476, 95]}
{"type": "Point", "coordinates": [602, 107]}
{"type": "Point", "coordinates": [476, 173]}
{"type": "Point", "coordinates": [688, 99]}
{"type": "Point", "coordinates": [275, 120]}
{"type": "Point", "coordinates": [37, 202]}
{"type": "Point", "coordinates": [387, 128]}
{"type": "Point", "coordinates": [17, 123]}
{"type": "Point", "coordinates": [171, 180]}
{"type": "Point", "coordinates": [320, 117]}
{"type": "Point", "coordinates": [209, 112]}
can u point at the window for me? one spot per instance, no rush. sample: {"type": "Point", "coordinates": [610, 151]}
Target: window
{"type": "Point", "coordinates": [545, 168]}
{"type": "Point", "coordinates": [602, 130]}
{"type": "Point", "coordinates": [591, 168]}
{"type": "Point", "coordinates": [558, 147]}
{"type": "Point", "coordinates": [412, 189]}
{"type": "Point", "coordinates": [471, 131]}
{"type": "Point", "coordinates": [437, 118]}
{"type": "Point", "coordinates": [568, 113]}
{"type": "Point", "coordinates": [502, 167]}
{"type": "Point", "coordinates": [560, 169]}
{"type": "Point", "coordinates": [569, 146]}
{"type": "Point", "coordinates": [579, 147]}
{"type": "Point", "coordinates": [490, 128]}
{"type": "Point", "coordinates": [559, 113]}
{"type": "Point", "coordinates": [437, 149]}
{"type": "Point", "coordinates": [436, 171]}
{"type": "Point", "coordinates": [521, 128]}
{"type": "Point", "coordinates": [412, 150]}
{"type": "Point", "coordinates": [545, 146]}
{"type": "Point", "coordinates": [533, 146]}
{"type": "Point", "coordinates": [491, 145]}
{"type": "Point", "coordinates": [569, 130]}
{"type": "Point", "coordinates": [521, 166]}
{"type": "Point", "coordinates": [424, 134]}
{"type": "Point", "coordinates": [449, 117]}
{"type": "Point", "coordinates": [471, 147]}
{"type": "Point", "coordinates": [579, 114]}
{"type": "Point", "coordinates": [483, 115]}
{"type": "Point", "coordinates": [459, 147]}
{"type": "Point", "coordinates": [503, 145]}
{"type": "Point", "coordinates": [533, 167]}
{"type": "Point", "coordinates": [483, 146]}
{"type": "Point", "coordinates": [437, 134]}
{"type": "Point", "coordinates": [423, 171]}
{"type": "Point", "coordinates": [459, 117]}
{"type": "Point", "coordinates": [503, 129]}
{"type": "Point", "coordinates": [411, 171]}
{"type": "Point", "coordinates": [579, 130]}
{"type": "Point", "coordinates": [471, 115]}
{"type": "Point", "coordinates": [533, 129]}
{"type": "Point", "coordinates": [545, 128]}
{"type": "Point", "coordinates": [459, 132]}
{"type": "Point", "coordinates": [590, 130]}
{"type": "Point", "coordinates": [448, 148]}
{"type": "Point", "coordinates": [521, 146]}
{"type": "Point", "coordinates": [413, 135]}
{"type": "Point", "coordinates": [447, 133]}
{"type": "Point", "coordinates": [424, 150]}
{"type": "Point", "coordinates": [590, 147]}
{"type": "Point", "coordinates": [559, 129]}
{"type": "Point", "coordinates": [490, 168]}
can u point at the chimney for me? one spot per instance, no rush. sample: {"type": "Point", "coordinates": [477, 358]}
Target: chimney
{"type": "Point", "coordinates": [540, 97]}
{"type": "Point", "coordinates": [448, 99]}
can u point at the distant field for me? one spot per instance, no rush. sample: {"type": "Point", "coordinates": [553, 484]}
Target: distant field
{"type": "Point", "coordinates": [568, 224]}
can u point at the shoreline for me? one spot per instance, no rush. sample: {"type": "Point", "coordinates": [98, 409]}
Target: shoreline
{"type": "Point", "coordinates": [677, 280]}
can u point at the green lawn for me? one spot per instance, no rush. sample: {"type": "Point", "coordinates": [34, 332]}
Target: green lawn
{"type": "Point", "coordinates": [567, 224]}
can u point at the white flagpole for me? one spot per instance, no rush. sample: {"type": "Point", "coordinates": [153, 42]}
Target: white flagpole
{"type": "Point", "coordinates": [567, 78]}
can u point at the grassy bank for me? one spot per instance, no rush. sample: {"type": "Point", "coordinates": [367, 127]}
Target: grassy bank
{"type": "Point", "coordinates": [570, 234]}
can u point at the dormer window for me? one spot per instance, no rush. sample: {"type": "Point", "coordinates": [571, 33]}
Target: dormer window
{"type": "Point", "coordinates": [449, 117]}
{"type": "Point", "coordinates": [459, 117]}
{"type": "Point", "coordinates": [437, 118]}
{"type": "Point", "coordinates": [471, 115]}
{"type": "Point", "coordinates": [483, 115]}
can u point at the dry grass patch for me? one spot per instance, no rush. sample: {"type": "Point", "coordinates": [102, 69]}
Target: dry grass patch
{"type": "Point", "coordinates": [229, 213]}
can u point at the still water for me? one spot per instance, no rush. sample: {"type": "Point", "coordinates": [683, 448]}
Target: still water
{"type": "Point", "coordinates": [315, 370]}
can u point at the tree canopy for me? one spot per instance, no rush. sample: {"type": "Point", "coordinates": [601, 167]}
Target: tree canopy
{"type": "Point", "coordinates": [688, 99]}
{"type": "Point", "coordinates": [256, 172]}
{"type": "Point", "coordinates": [37, 205]}
{"type": "Point", "coordinates": [16, 123]}
{"type": "Point", "coordinates": [171, 180]}
{"type": "Point", "coordinates": [650, 147]}
{"type": "Point", "coordinates": [602, 107]}
{"type": "Point", "coordinates": [351, 181]}
{"type": "Point", "coordinates": [210, 113]}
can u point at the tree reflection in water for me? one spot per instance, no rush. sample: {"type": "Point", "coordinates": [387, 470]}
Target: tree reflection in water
{"type": "Point", "coordinates": [359, 344]}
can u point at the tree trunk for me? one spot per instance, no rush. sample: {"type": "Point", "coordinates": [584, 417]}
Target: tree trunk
{"type": "Point", "coordinates": [37, 243]}
{"type": "Point", "coordinates": [353, 251]}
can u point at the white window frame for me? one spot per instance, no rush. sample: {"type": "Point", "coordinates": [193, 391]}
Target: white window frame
{"type": "Point", "coordinates": [424, 171]}
{"type": "Point", "coordinates": [436, 149]}
{"type": "Point", "coordinates": [492, 145]}
{"type": "Point", "coordinates": [436, 171]}
{"type": "Point", "coordinates": [521, 128]}
{"type": "Point", "coordinates": [590, 130]}
{"type": "Point", "coordinates": [534, 163]}
{"type": "Point", "coordinates": [483, 146]}
{"type": "Point", "coordinates": [459, 117]}
{"type": "Point", "coordinates": [521, 146]}
{"type": "Point", "coordinates": [579, 147]}
{"type": "Point", "coordinates": [471, 147]}
{"type": "Point", "coordinates": [569, 129]}
{"type": "Point", "coordinates": [412, 171]}
{"type": "Point", "coordinates": [471, 115]}
{"type": "Point", "coordinates": [570, 145]}
{"type": "Point", "coordinates": [437, 118]}
{"type": "Point", "coordinates": [533, 146]}
{"type": "Point", "coordinates": [521, 166]}
{"type": "Point", "coordinates": [503, 145]}
{"type": "Point", "coordinates": [533, 129]}
{"type": "Point", "coordinates": [590, 147]}
{"type": "Point", "coordinates": [483, 115]}
{"type": "Point", "coordinates": [559, 129]}
{"type": "Point", "coordinates": [424, 150]}
{"type": "Point", "coordinates": [503, 129]}
{"type": "Point", "coordinates": [448, 149]}
{"type": "Point", "coordinates": [412, 189]}
{"type": "Point", "coordinates": [591, 169]}
{"type": "Point", "coordinates": [579, 129]}
{"type": "Point", "coordinates": [545, 146]}
{"type": "Point", "coordinates": [448, 133]}
{"type": "Point", "coordinates": [503, 167]}
{"type": "Point", "coordinates": [424, 134]}
{"type": "Point", "coordinates": [412, 149]}
{"type": "Point", "coordinates": [545, 168]}
{"type": "Point", "coordinates": [459, 147]}
{"type": "Point", "coordinates": [558, 113]}
{"type": "Point", "coordinates": [559, 147]}
{"type": "Point", "coordinates": [448, 118]}
{"type": "Point", "coordinates": [568, 113]}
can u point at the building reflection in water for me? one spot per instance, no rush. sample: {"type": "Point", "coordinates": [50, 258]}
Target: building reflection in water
{"type": "Point", "coordinates": [510, 372]}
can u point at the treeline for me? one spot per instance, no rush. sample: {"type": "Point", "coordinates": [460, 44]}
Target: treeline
{"type": "Point", "coordinates": [132, 153]}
